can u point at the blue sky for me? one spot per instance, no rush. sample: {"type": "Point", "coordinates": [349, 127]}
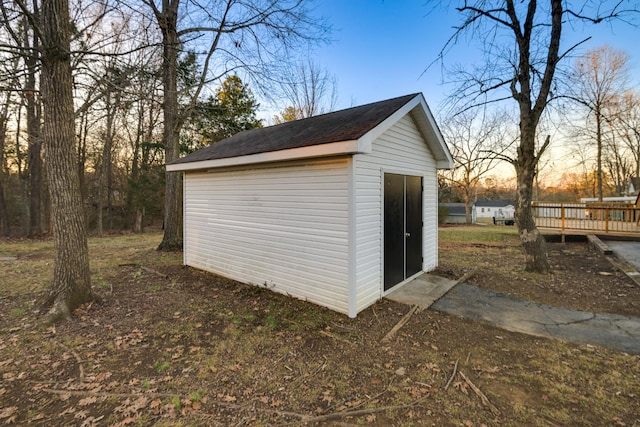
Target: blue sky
{"type": "Point", "coordinates": [381, 48]}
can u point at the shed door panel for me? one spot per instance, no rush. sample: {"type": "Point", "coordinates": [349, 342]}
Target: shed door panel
{"type": "Point", "coordinates": [393, 229]}
{"type": "Point", "coordinates": [402, 228]}
{"type": "Point", "coordinates": [413, 227]}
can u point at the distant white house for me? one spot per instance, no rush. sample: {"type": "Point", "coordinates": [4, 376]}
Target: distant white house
{"type": "Point", "coordinates": [487, 210]}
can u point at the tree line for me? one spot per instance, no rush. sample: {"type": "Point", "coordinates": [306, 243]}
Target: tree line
{"type": "Point", "coordinates": [123, 58]}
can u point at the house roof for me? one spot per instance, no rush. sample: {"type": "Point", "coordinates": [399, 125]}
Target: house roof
{"type": "Point", "coordinates": [347, 131]}
{"type": "Point", "coordinates": [454, 209]}
{"type": "Point", "coordinates": [493, 203]}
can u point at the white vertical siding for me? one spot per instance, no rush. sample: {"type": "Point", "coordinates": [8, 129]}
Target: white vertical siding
{"type": "Point", "coordinates": [401, 149]}
{"type": "Point", "coordinates": [283, 227]}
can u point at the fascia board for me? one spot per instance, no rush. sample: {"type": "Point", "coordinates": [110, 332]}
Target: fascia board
{"type": "Point", "coordinates": [320, 150]}
{"type": "Point", "coordinates": [429, 128]}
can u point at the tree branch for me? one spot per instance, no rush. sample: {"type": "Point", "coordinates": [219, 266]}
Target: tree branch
{"type": "Point", "coordinates": [32, 20]}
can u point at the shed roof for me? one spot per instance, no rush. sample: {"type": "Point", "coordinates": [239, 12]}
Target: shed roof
{"type": "Point", "coordinates": [346, 131]}
{"type": "Point", "coordinates": [494, 203]}
{"type": "Point", "coordinates": [454, 209]}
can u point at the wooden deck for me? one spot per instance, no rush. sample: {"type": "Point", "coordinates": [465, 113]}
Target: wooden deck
{"type": "Point", "coordinates": [587, 218]}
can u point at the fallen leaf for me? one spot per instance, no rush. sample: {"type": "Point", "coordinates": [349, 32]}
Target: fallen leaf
{"type": "Point", "coordinates": [227, 397]}
{"type": "Point", "coordinates": [326, 396]}
{"type": "Point", "coordinates": [103, 376]}
{"type": "Point", "coordinates": [88, 401]}
{"type": "Point", "coordinates": [127, 421]}
{"type": "Point", "coordinates": [81, 415]}
{"type": "Point", "coordinates": [7, 412]}
{"type": "Point", "coordinates": [462, 386]}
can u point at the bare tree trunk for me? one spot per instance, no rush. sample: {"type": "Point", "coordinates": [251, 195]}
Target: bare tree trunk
{"type": "Point", "coordinates": [82, 153]}
{"type": "Point", "coordinates": [599, 143]}
{"type": "Point", "coordinates": [35, 171]}
{"type": "Point", "coordinates": [535, 246]}
{"type": "Point", "coordinates": [100, 197]}
{"type": "Point", "coordinates": [33, 129]}
{"type": "Point", "coordinates": [172, 239]}
{"type": "Point", "coordinates": [71, 284]}
{"type": "Point", "coordinates": [467, 206]}
{"type": "Point", "coordinates": [4, 215]}
{"type": "Point", "coordinates": [133, 198]}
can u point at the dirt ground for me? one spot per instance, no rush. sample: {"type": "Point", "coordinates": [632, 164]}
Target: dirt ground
{"type": "Point", "coordinates": [582, 279]}
{"type": "Point", "coordinates": [170, 345]}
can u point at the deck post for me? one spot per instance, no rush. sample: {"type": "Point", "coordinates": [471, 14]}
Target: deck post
{"type": "Point", "coordinates": [562, 219]}
{"type": "Point", "coordinates": [606, 220]}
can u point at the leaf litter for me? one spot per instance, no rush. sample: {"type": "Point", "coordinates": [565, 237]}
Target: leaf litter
{"type": "Point", "coordinates": [209, 351]}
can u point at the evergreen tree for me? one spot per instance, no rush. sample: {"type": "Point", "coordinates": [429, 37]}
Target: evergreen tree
{"type": "Point", "coordinates": [231, 110]}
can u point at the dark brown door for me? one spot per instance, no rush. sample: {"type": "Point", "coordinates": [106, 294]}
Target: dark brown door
{"type": "Point", "coordinates": [402, 228]}
{"type": "Point", "coordinates": [413, 225]}
{"type": "Point", "coordinates": [393, 229]}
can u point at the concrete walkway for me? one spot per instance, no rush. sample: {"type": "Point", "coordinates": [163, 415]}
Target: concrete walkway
{"type": "Point", "coordinates": [517, 315]}
{"type": "Point", "coordinates": [628, 251]}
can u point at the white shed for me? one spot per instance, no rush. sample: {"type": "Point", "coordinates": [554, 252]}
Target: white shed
{"type": "Point", "coordinates": [334, 209]}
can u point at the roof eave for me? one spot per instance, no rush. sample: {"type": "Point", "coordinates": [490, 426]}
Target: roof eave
{"type": "Point", "coordinates": [312, 151]}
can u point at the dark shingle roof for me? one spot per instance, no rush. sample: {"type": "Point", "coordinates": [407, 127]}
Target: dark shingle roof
{"type": "Point", "coordinates": [494, 203]}
{"type": "Point", "coordinates": [454, 209]}
{"type": "Point", "coordinates": [343, 125]}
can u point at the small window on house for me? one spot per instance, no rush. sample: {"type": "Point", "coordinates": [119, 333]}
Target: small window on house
{"type": "Point", "coordinates": [482, 210]}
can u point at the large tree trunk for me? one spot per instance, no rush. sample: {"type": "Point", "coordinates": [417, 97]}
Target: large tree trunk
{"type": "Point", "coordinates": [532, 240]}
{"type": "Point", "coordinates": [599, 144]}
{"type": "Point", "coordinates": [71, 284]}
{"type": "Point", "coordinates": [172, 239]}
{"type": "Point", "coordinates": [467, 208]}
